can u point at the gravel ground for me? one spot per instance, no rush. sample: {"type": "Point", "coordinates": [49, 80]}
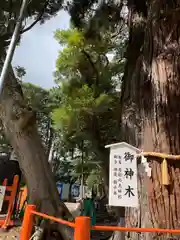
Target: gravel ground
{"type": "Point", "coordinates": [10, 234]}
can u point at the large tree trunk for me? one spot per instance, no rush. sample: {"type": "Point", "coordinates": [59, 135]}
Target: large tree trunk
{"type": "Point", "coordinates": [162, 119]}
{"type": "Point", "coordinates": [131, 121]}
{"type": "Point", "coordinates": [151, 84]}
{"type": "Point", "coordinates": [19, 124]}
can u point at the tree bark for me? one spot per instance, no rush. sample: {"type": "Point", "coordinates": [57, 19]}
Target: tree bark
{"type": "Point", "coordinates": [155, 93]}
{"type": "Point", "coordinates": [19, 123]}
{"type": "Point", "coordinates": [131, 121]}
{"type": "Point", "coordinates": [162, 119]}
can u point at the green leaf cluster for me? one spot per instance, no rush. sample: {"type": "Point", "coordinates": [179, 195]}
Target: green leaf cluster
{"type": "Point", "coordinates": [88, 110]}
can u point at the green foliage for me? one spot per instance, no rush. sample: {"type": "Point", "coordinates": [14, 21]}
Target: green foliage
{"type": "Point", "coordinates": [36, 97]}
{"type": "Point", "coordinates": [88, 111]}
{"type": "Point", "coordinates": [78, 107]}
{"type": "Point", "coordinates": [20, 72]}
{"type": "Point", "coordinates": [69, 57]}
{"type": "Point", "coordinates": [91, 14]}
{"type": "Point", "coordinates": [94, 178]}
{"type": "Point", "coordinates": [85, 103]}
{"type": "Point", "coordinates": [73, 37]}
{"type": "Point", "coordinates": [37, 11]}
{"type": "Point", "coordinates": [42, 102]}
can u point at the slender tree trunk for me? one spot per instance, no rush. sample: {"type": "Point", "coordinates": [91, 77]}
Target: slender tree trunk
{"type": "Point", "coordinates": [51, 153]}
{"type": "Point", "coordinates": [19, 125]}
{"type": "Point", "coordinates": [49, 137]}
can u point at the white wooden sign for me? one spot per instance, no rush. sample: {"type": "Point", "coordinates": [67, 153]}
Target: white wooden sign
{"type": "Point", "coordinates": [123, 175]}
{"type": "Point", "coordinates": [2, 194]}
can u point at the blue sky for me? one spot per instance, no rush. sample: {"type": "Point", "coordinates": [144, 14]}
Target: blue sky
{"type": "Point", "coordinates": [38, 51]}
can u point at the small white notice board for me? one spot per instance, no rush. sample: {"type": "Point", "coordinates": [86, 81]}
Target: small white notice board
{"type": "Point", "coordinates": [123, 175]}
{"type": "Point", "coordinates": [2, 194]}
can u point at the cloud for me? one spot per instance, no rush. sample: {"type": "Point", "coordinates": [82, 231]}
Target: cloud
{"type": "Point", "coordinates": [38, 51]}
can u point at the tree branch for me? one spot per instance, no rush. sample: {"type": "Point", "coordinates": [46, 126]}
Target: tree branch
{"type": "Point", "coordinates": [92, 65]}
{"type": "Point", "coordinates": [39, 17]}
{"type": "Point", "coordinates": [33, 24]}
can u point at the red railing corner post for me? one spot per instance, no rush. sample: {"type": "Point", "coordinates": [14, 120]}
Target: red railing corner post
{"type": "Point", "coordinates": [82, 228]}
{"type": "Point", "coordinates": [27, 224]}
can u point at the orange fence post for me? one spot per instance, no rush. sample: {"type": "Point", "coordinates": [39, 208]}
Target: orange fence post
{"type": "Point", "coordinates": [82, 228]}
{"type": "Point", "coordinates": [27, 224]}
{"type": "Point", "coordinates": [11, 199]}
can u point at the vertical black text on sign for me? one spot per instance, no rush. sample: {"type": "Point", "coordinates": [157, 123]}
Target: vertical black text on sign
{"type": "Point", "coordinates": [128, 157]}
{"type": "Point", "coordinates": [117, 159]}
{"type": "Point", "coordinates": [129, 191]}
{"type": "Point", "coordinates": [117, 174]}
{"type": "Point", "coordinates": [128, 173]}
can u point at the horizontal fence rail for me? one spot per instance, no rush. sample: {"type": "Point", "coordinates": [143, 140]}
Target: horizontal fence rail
{"type": "Point", "coordinates": [59, 220]}
{"type": "Point", "coordinates": [82, 226]}
{"type": "Point", "coordinates": [138, 230]}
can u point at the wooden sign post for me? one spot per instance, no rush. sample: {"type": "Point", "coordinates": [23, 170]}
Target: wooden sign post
{"type": "Point", "coordinates": [123, 191]}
